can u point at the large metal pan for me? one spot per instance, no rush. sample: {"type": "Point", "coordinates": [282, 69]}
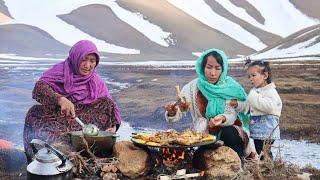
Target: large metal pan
{"type": "Point", "coordinates": [101, 144]}
{"type": "Point", "coordinates": [204, 143]}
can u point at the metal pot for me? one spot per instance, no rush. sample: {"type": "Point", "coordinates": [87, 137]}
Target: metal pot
{"type": "Point", "coordinates": [48, 163]}
{"type": "Point", "coordinates": [101, 144]}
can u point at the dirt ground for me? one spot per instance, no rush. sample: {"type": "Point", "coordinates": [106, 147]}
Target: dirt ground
{"type": "Point", "coordinates": [298, 84]}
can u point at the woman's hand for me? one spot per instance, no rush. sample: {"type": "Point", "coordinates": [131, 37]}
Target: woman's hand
{"type": "Point", "coordinates": [67, 107]}
{"type": "Point", "coordinates": [112, 129]}
{"type": "Point", "coordinates": [216, 121]}
{"type": "Point", "coordinates": [184, 105]}
{"type": "Point", "coordinates": [171, 108]}
{"type": "Point", "coordinates": [233, 103]}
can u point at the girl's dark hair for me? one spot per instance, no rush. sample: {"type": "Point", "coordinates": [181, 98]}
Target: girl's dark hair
{"type": "Point", "coordinates": [265, 67]}
{"type": "Point", "coordinates": [214, 54]}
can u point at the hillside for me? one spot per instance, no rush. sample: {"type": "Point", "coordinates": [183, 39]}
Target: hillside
{"type": "Point", "coordinates": [28, 40]}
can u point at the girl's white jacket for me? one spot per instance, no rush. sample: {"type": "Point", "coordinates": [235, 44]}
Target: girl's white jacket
{"type": "Point", "coordinates": [262, 101]}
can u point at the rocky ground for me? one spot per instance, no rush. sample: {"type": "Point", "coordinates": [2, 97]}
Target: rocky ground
{"type": "Point", "coordinates": [297, 82]}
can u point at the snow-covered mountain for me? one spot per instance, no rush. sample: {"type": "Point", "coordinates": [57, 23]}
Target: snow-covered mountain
{"type": "Point", "coordinates": [304, 43]}
{"type": "Point", "coordinates": [161, 29]}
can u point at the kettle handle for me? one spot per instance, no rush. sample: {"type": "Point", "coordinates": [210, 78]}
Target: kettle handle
{"type": "Point", "coordinates": [56, 152]}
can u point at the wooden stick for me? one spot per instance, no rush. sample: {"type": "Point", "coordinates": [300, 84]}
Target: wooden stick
{"type": "Point", "coordinates": [178, 91]}
{"type": "Point", "coordinates": [169, 177]}
{"type": "Point", "coordinates": [87, 148]}
{"type": "Point", "coordinates": [192, 175]}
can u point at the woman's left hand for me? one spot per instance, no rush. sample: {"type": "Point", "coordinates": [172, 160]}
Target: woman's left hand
{"type": "Point", "coordinates": [112, 129]}
{"type": "Point", "coordinates": [216, 121]}
{"type": "Point", "coordinates": [233, 103]}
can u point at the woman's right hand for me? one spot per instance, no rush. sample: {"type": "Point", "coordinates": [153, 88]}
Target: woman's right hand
{"type": "Point", "coordinates": [112, 129]}
{"type": "Point", "coordinates": [67, 107]}
{"type": "Point", "coordinates": [171, 108]}
{"type": "Point", "coordinates": [184, 105]}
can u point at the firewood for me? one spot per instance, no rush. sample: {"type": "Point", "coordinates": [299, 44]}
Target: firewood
{"type": "Point", "coordinates": [87, 148]}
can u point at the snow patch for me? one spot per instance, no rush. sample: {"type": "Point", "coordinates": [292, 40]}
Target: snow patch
{"type": "Point", "coordinates": [16, 57]}
{"type": "Point", "coordinates": [303, 34]}
{"type": "Point", "coordinates": [300, 153]}
{"type": "Point", "coordinates": [305, 48]}
{"type": "Point", "coordinates": [202, 12]}
{"type": "Point", "coordinates": [242, 14]}
{"type": "Point", "coordinates": [136, 20]}
{"type": "Point", "coordinates": [281, 17]}
{"type": "Point", "coordinates": [117, 84]}
{"type": "Point", "coordinates": [198, 54]}
{"type": "Point", "coordinates": [152, 63]}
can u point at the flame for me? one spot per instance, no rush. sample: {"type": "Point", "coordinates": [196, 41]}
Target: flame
{"type": "Point", "coordinates": [172, 156]}
{"type": "Point", "coordinates": [157, 162]}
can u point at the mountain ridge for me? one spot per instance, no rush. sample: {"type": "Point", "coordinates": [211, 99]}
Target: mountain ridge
{"type": "Point", "coordinates": [184, 33]}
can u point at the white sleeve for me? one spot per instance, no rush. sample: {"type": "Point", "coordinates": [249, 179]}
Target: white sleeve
{"type": "Point", "coordinates": [262, 103]}
{"type": "Point", "coordinates": [230, 114]}
{"type": "Point", "coordinates": [186, 92]}
{"type": "Point", "coordinates": [243, 106]}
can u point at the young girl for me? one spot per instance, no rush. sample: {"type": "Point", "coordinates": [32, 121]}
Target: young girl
{"type": "Point", "coordinates": [264, 104]}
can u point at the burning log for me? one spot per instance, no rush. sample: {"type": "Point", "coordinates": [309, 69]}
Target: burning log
{"type": "Point", "coordinates": [172, 156]}
{"type": "Point", "coordinates": [170, 162]}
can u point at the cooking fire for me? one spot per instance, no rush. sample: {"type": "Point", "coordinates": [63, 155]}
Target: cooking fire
{"type": "Point", "coordinates": [172, 156]}
{"type": "Point", "coordinates": [171, 151]}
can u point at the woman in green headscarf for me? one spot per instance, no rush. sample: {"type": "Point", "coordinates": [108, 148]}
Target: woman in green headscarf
{"type": "Point", "coordinates": [207, 98]}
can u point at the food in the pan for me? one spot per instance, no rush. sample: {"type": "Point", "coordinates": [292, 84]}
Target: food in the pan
{"type": "Point", "coordinates": [172, 137]}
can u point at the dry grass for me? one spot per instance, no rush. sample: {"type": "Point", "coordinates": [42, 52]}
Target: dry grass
{"type": "Point", "coordinates": [312, 170]}
{"type": "Point", "coordinates": [268, 169]}
{"type": "Point", "coordinates": [271, 168]}
{"type": "Point", "coordinates": [274, 169]}
{"type": "Point", "coordinates": [85, 164]}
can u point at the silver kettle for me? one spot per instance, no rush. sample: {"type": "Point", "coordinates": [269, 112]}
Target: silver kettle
{"type": "Point", "coordinates": [48, 163]}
